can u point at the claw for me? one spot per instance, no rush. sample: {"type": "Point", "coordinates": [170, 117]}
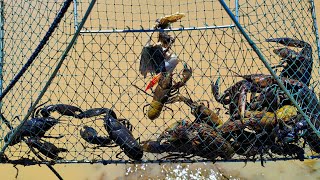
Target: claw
{"type": "Point", "coordinates": [63, 109]}
{"type": "Point", "coordinates": [289, 42]}
{"type": "Point", "coordinates": [215, 86]}
{"type": "Point", "coordinates": [90, 135]}
{"type": "Point", "coordinates": [156, 147]}
{"type": "Point", "coordinates": [215, 89]}
{"type": "Point", "coordinates": [217, 83]}
{"type": "Point", "coordinates": [95, 112]}
{"type": "Point", "coordinates": [286, 53]}
{"type": "Point", "coordinates": [186, 73]}
{"type": "Point", "coordinates": [153, 81]}
{"type": "Point", "coordinates": [298, 64]}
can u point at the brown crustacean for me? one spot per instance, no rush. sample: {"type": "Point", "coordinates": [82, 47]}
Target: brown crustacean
{"type": "Point", "coordinates": [189, 138]}
{"type": "Point", "coordinates": [165, 91]}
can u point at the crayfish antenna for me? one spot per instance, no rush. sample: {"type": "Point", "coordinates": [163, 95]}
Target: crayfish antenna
{"type": "Point", "coordinates": [237, 74]}
{"type": "Point", "coordinates": [289, 42]}
{"type": "Point", "coordinates": [36, 110]}
{"type": "Point", "coordinates": [141, 90]}
{"type": "Point", "coordinates": [54, 137]}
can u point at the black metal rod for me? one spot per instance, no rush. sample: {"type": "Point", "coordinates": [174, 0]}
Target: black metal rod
{"type": "Point", "coordinates": [29, 162]}
{"type": "Point", "coordinates": [54, 171]}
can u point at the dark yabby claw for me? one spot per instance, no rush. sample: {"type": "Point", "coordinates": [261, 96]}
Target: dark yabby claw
{"type": "Point", "coordinates": [63, 109]}
{"type": "Point", "coordinates": [96, 112]}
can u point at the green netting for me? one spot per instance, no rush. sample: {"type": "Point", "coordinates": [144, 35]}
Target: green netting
{"type": "Point", "coordinates": [102, 71]}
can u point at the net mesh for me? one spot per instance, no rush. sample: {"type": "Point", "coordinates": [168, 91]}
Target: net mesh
{"type": "Point", "coordinates": [102, 71]}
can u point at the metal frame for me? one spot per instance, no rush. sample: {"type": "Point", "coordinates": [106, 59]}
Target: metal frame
{"type": "Point", "coordinates": [29, 162]}
{"type": "Point", "coordinates": [78, 27]}
{"type": "Point", "coordinates": [1, 46]}
{"type": "Point", "coordinates": [315, 28]}
{"type": "Point", "coordinates": [75, 14]}
{"type": "Point", "coordinates": [236, 2]}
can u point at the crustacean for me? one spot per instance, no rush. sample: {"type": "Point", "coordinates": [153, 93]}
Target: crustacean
{"type": "Point", "coordinates": [262, 132]}
{"type": "Point", "coordinates": [165, 91]}
{"type": "Point", "coordinates": [236, 95]}
{"type": "Point", "coordinates": [189, 138]}
{"type": "Point", "coordinates": [118, 129]}
{"type": "Point", "coordinates": [296, 65]}
{"type": "Point", "coordinates": [38, 125]}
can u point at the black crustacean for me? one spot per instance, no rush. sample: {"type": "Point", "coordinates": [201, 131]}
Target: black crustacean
{"type": "Point", "coordinates": [38, 125]}
{"type": "Point", "coordinates": [123, 137]}
{"type": "Point", "coordinates": [119, 131]}
{"type": "Point", "coordinates": [296, 65]}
